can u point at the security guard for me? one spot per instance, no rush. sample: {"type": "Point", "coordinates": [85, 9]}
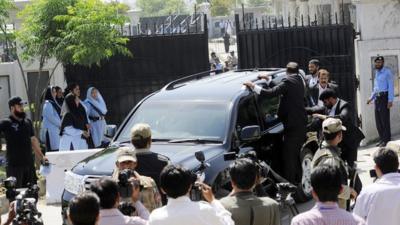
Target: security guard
{"type": "Point", "coordinates": [20, 140]}
{"type": "Point", "coordinates": [329, 154]}
{"type": "Point", "coordinates": [292, 113]}
{"type": "Point", "coordinates": [382, 95]}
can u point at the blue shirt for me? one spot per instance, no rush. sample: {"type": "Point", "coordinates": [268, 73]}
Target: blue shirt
{"type": "Point", "coordinates": [383, 82]}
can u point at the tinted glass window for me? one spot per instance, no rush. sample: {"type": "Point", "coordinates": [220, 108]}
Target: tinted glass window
{"type": "Point", "coordinates": [181, 119]}
{"type": "Point", "coordinates": [247, 113]}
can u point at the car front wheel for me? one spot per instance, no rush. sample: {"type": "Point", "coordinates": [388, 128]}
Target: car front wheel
{"type": "Point", "coordinates": [304, 188]}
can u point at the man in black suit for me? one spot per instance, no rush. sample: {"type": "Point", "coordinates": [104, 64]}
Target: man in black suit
{"type": "Point", "coordinates": [335, 107]}
{"type": "Point", "coordinates": [293, 116]}
{"type": "Point", "coordinates": [323, 84]}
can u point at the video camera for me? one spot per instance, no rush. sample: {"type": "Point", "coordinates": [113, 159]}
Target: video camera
{"type": "Point", "coordinates": [126, 186]}
{"type": "Point", "coordinates": [25, 202]}
{"type": "Point", "coordinates": [263, 167]}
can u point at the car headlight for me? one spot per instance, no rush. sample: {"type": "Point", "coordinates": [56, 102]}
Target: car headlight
{"type": "Point", "coordinates": [73, 182]}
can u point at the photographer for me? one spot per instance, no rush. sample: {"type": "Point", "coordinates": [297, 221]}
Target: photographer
{"type": "Point", "coordinates": [176, 182]}
{"type": "Point", "coordinates": [84, 209]}
{"type": "Point", "coordinates": [149, 194]}
{"type": "Point", "coordinates": [108, 192]}
{"type": "Point", "coordinates": [372, 202]}
{"type": "Point", "coordinates": [326, 184]}
{"type": "Point", "coordinates": [246, 208]}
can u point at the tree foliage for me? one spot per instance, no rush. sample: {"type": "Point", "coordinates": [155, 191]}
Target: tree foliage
{"type": "Point", "coordinates": [162, 7]}
{"type": "Point", "coordinates": [222, 7]}
{"type": "Point", "coordinates": [71, 32]}
{"type": "Point", "coordinates": [91, 32]}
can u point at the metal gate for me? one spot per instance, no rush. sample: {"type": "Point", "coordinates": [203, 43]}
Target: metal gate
{"type": "Point", "coordinates": [158, 58]}
{"type": "Point", "coordinates": [273, 42]}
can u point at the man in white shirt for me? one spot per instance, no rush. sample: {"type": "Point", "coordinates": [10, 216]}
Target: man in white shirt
{"type": "Point", "coordinates": [176, 182]}
{"type": "Point", "coordinates": [108, 192]}
{"type": "Point", "coordinates": [312, 78]}
{"type": "Point", "coordinates": [322, 85]}
{"type": "Point", "coordinates": [379, 203]}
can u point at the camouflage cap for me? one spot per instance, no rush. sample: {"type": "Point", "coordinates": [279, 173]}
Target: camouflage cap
{"type": "Point", "coordinates": [126, 154]}
{"type": "Point", "coordinates": [332, 125]}
{"type": "Point", "coordinates": [140, 131]}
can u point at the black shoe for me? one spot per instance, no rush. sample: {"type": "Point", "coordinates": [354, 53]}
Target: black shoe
{"type": "Point", "coordinates": [383, 144]}
{"type": "Point", "coordinates": [379, 144]}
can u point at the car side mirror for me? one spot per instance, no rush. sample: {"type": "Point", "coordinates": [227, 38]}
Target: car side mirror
{"type": "Point", "coordinates": [200, 156]}
{"type": "Point", "coordinates": [250, 133]}
{"type": "Point", "coordinates": [110, 131]}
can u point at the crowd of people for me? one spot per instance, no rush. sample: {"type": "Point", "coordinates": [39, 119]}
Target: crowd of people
{"type": "Point", "coordinates": [70, 123]}
{"type": "Point", "coordinates": [160, 190]}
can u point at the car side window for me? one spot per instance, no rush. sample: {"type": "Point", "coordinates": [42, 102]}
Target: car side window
{"type": "Point", "coordinates": [269, 110]}
{"type": "Point", "coordinates": [247, 113]}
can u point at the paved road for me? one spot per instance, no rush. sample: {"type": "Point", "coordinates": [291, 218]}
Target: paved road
{"type": "Point", "coordinates": [52, 215]}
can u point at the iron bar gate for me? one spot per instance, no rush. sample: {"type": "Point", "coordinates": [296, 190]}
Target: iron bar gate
{"type": "Point", "coordinates": [273, 42]}
{"type": "Point", "coordinates": [158, 58]}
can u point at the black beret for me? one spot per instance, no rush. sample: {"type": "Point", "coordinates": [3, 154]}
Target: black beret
{"type": "Point", "coordinates": [328, 93]}
{"type": "Point", "coordinates": [379, 58]}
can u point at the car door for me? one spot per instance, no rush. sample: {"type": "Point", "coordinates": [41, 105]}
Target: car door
{"type": "Point", "coordinates": [247, 115]}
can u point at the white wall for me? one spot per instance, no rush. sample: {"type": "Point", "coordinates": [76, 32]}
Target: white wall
{"type": "Point", "coordinates": [379, 24]}
{"type": "Point", "coordinates": [17, 87]}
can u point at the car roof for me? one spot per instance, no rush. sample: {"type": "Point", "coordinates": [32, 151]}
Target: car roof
{"type": "Point", "coordinates": [220, 87]}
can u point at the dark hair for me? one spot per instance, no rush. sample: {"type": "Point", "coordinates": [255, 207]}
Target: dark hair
{"type": "Point", "coordinates": [141, 143]}
{"type": "Point", "coordinates": [107, 190]}
{"type": "Point", "coordinates": [328, 93]}
{"type": "Point", "coordinates": [176, 180]}
{"type": "Point", "coordinates": [70, 87]}
{"type": "Point", "coordinates": [330, 137]}
{"type": "Point", "coordinates": [387, 160]}
{"type": "Point", "coordinates": [57, 88]}
{"type": "Point", "coordinates": [314, 61]}
{"type": "Point", "coordinates": [326, 182]}
{"type": "Point", "coordinates": [243, 173]}
{"type": "Point", "coordinates": [84, 209]}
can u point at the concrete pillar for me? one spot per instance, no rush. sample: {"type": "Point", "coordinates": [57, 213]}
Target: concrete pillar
{"type": "Point", "coordinates": [303, 10]}
{"type": "Point", "coordinates": [292, 6]}
{"type": "Point", "coordinates": [312, 10]}
{"type": "Point", "coordinates": [336, 9]}
{"type": "Point", "coordinates": [205, 8]}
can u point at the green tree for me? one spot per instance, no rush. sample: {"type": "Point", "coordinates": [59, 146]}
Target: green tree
{"type": "Point", "coordinates": [162, 7]}
{"type": "Point", "coordinates": [72, 32]}
{"type": "Point", "coordinates": [222, 7]}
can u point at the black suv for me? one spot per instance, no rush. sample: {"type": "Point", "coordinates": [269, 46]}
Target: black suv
{"type": "Point", "coordinates": [212, 114]}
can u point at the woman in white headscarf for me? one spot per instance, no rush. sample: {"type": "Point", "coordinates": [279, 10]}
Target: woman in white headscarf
{"type": "Point", "coordinates": [51, 123]}
{"type": "Point", "coordinates": [96, 110]}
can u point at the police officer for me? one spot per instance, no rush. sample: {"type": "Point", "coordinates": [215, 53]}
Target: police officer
{"type": "Point", "coordinates": [20, 140]}
{"type": "Point", "coordinates": [382, 95]}
{"type": "Point", "coordinates": [293, 116]}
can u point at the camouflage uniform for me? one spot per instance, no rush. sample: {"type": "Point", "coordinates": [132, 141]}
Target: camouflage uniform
{"type": "Point", "coordinates": [330, 155]}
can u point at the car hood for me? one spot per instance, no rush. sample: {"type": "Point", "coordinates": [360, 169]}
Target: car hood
{"type": "Point", "coordinates": [103, 162]}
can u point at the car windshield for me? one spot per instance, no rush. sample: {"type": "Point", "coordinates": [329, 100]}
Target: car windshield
{"type": "Point", "coordinates": [179, 120]}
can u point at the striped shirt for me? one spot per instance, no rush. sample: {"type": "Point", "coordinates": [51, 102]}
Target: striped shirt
{"type": "Point", "coordinates": [324, 214]}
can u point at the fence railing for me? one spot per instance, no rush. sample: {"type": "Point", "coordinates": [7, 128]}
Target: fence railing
{"type": "Point", "coordinates": [167, 25]}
